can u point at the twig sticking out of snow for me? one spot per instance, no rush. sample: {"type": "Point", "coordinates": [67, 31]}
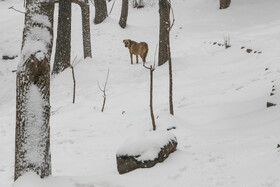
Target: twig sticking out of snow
{"type": "Point", "coordinates": [104, 90]}
{"type": "Point", "coordinates": [227, 42]}
{"type": "Point", "coordinates": [74, 63]}
{"type": "Point", "coordinates": [152, 69]}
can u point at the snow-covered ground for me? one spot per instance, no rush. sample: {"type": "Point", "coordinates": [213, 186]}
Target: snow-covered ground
{"type": "Point", "coordinates": [226, 135]}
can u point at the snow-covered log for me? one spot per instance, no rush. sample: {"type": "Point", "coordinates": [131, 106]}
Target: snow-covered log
{"type": "Point", "coordinates": [145, 150]}
{"type": "Point", "coordinates": [32, 139]}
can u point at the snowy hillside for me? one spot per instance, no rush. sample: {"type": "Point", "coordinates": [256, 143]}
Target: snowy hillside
{"type": "Point", "coordinates": [226, 134]}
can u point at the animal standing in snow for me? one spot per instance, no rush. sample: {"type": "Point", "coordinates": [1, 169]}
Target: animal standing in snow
{"type": "Point", "coordinates": [137, 49]}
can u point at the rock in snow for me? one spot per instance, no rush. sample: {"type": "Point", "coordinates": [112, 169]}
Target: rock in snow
{"type": "Point", "coordinates": [145, 150]}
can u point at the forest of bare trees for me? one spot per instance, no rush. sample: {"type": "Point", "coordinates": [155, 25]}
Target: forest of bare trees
{"type": "Point", "coordinates": [33, 75]}
{"type": "Point", "coordinates": [211, 82]}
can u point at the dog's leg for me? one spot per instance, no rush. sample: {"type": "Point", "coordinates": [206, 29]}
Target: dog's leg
{"type": "Point", "coordinates": [144, 56]}
{"type": "Point", "coordinates": [136, 59]}
{"type": "Point", "coordinates": [143, 59]}
{"type": "Point", "coordinates": [131, 58]}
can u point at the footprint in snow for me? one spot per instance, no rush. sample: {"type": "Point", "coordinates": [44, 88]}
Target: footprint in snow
{"type": "Point", "coordinates": [174, 177]}
{"type": "Point", "coordinates": [183, 169]}
{"type": "Point", "coordinates": [187, 146]}
{"type": "Point", "coordinates": [66, 141]}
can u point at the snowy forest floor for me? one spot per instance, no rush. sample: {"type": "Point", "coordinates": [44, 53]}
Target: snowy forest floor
{"type": "Point", "coordinates": [226, 135]}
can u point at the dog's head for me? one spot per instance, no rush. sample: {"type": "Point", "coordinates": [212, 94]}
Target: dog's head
{"type": "Point", "coordinates": [126, 43]}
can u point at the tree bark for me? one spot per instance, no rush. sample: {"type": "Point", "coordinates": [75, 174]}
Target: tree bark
{"type": "Point", "coordinates": [85, 11]}
{"type": "Point", "coordinates": [171, 110]}
{"type": "Point", "coordinates": [151, 97]}
{"type": "Point", "coordinates": [86, 29]}
{"type": "Point", "coordinates": [32, 138]}
{"type": "Point", "coordinates": [224, 4]}
{"type": "Point", "coordinates": [164, 46]}
{"type": "Point", "coordinates": [63, 41]}
{"type": "Point", "coordinates": [100, 11]}
{"type": "Point", "coordinates": [124, 14]}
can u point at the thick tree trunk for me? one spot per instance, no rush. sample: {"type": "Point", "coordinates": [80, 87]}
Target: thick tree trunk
{"type": "Point", "coordinates": [63, 41]}
{"type": "Point", "coordinates": [86, 28]}
{"type": "Point", "coordinates": [124, 14]}
{"type": "Point", "coordinates": [32, 138]}
{"type": "Point", "coordinates": [100, 11]}
{"type": "Point", "coordinates": [224, 4]}
{"type": "Point", "coordinates": [164, 47]}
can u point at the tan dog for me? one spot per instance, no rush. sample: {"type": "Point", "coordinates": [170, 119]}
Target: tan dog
{"type": "Point", "coordinates": [137, 49]}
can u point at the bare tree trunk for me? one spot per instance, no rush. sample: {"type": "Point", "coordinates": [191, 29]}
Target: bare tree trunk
{"type": "Point", "coordinates": [63, 41]}
{"type": "Point", "coordinates": [100, 11]}
{"type": "Point", "coordinates": [85, 11]}
{"type": "Point", "coordinates": [74, 84]}
{"type": "Point", "coordinates": [32, 138]}
{"type": "Point", "coordinates": [224, 4]}
{"type": "Point", "coordinates": [86, 28]}
{"type": "Point", "coordinates": [124, 14]}
{"type": "Point", "coordinates": [151, 69]}
{"type": "Point", "coordinates": [171, 110]}
{"type": "Point", "coordinates": [151, 98]}
{"type": "Point", "coordinates": [104, 91]}
{"type": "Point", "coordinates": [164, 49]}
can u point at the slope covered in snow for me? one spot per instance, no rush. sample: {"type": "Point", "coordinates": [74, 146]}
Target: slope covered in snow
{"type": "Point", "coordinates": [226, 135]}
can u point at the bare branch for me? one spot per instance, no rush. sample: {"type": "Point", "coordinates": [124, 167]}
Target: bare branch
{"type": "Point", "coordinates": [74, 79]}
{"type": "Point", "coordinates": [144, 65]}
{"type": "Point", "coordinates": [77, 62]}
{"type": "Point", "coordinates": [104, 90]}
{"type": "Point", "coordinates": [152, 67]}
{"type": "Point", "coordinates": [99, 87]}
{"type": "Point", "coordinates": [73, 62]}
{"type": "Point", "coordinates": [107, 79]}
{"type": "Point", "coordinates": [74, 84]}
{"type": "Point", "coordinates": [12, 8]}
{"type": "Point", "coordinates": [112, 7]}
{"type": "Point", "coordinates": [92, 2]}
